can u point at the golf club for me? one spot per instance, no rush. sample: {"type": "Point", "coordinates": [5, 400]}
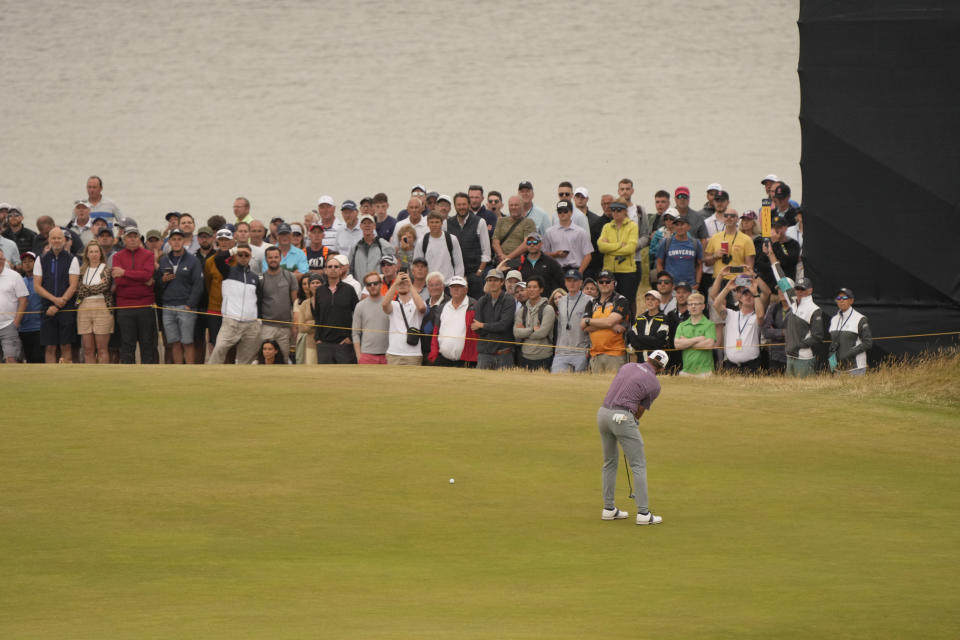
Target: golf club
{"type": "Point", "coordinates": [629, 472]}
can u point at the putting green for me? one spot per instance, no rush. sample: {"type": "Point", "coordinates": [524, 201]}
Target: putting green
{"type": "Point", "coordinates": [236, 502]}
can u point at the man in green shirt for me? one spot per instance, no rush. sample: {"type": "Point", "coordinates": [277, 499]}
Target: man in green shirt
{"type": "Point", "coordinates": [696, 336]}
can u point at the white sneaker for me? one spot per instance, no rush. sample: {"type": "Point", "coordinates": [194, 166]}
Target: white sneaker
{"type": "Point", "coordinates": [648, 519]}
{"type": "Point", "coordinates": [613, 514]}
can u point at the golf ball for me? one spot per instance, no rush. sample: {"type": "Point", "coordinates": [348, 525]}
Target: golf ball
{"type": "Point", "coordinates": [452, 481]}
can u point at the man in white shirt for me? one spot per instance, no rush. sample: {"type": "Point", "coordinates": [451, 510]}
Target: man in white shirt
{"type": "Point", "coordinates": [741, 332]}
{"type": "Point", "coordinates": [440, 249]}
{"type": "Point", "coordinates": [566, 242]}
{"type": "Point", "coordinates": [13, 302]}
{"type": "Point", "coordinates": [449, 347]}
{"type": "Point", "coordinates": [405, 311]}
{"type": "Point", "coordinates": [348, 233]}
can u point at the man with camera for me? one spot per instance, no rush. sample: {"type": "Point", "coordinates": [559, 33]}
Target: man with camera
{"type": "Point", "coordinates": [741, 334]}
{"type": "Point", "coordinates": [405, 308]}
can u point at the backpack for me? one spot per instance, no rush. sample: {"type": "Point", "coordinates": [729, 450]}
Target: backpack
{"type": "Point", "coordinates": [523, 316]}
{"type": "Point", "coordinates": [446, 236]}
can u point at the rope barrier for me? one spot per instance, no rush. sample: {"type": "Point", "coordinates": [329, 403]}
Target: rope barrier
{"type": "Point", "coordinates": [478, 339]}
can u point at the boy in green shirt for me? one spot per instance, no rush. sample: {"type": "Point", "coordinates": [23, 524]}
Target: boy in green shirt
{"type": "Point", "coordinates": [696, 336]}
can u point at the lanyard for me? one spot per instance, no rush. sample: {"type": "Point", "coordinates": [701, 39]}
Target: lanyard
{"type": "Point", "coordinates": [746, 320]}
{"type": "Point", "coordinates": [840, 328]}
{"type": "Point", "coordinates": [572, 307]}
{"type": "Point", "coordinates": [90, 280]}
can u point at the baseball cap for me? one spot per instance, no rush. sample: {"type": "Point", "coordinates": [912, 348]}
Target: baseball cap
{"type": "Point", "coordinates": [680, 218]}
{"type": "Point", "coordinates": [521, 285]}
{"type": "Point", "coordinates": [419, 260]}
{"type": "Point", "coordinates": [226, 233]}
{"type": "Point", "coordinates": [326, 200]}
{"type": "Point", "coordinates": [349, 205]}
{"type": "Point", "coordinates": [387, 260]}
{"type": "Point", "coordinates": [660, 357]}
{"type": "Point", "coordinates": [281, 228]}
{"type": "Point", "coordinates": [85, 204]}
{"type": "Point", "coordinates": [342, 259]}
{"type": "Point", "coordinates": [846, 292]}
{"type": "Point", "coordinates": [573, 273]}
{"type": "Point", "coordinates": [525, 184]}
{"type": "Point", "coordinates": [714, 186]}
{"type": "Point", "coordinates": [721, 195]}
{"type": "Point", "coordinates": [204, 231]}
{"type": "Point", "coordinates": [314, 276]}
{"type": "Point", "coordinates": [432, 195]}
{"type": "Point", "coordinates": [534, 236]}
{"type": "Point", "coordinates": [617, 206]}
{"type": "Point", "coordinates": [131, 230]}
{"type": "Point", "coordinates": [276, 219]}
{"type": "Point", "coordinates": [16, 210]}
{"type": "Point", "coordinates": [605, 274]}
{"type": "Point", "coordinates": [28, 254]}
{"type": "Point", "coordinates": [457, 280]}
{"type": "Point", "coordinates": [494, 273]}
{"type": "Point", "coordinates": [582, 191]}
{"type": "Point", "coordinates": [101, 215]}
{"type": "Point", "coordinates": [367, 217]}
{"type": "Point", "coordinates": [749, 214]}
{"type": "Point", "coordinates": [513, 274]}
{"type": "Point", "coordinates": [316, 225]}
{"type": "Point", "coordinates": [296, 228]}
{"type": "Point", "coordinates": [671, 212]}
{"type": "Point", "coordinates": [683, 285]}
{"type": "Point", "coordinates": [153, 233]}
{"type": "Point", "coordinates": [6, 205]}
{"type": "Point", "coordinates": [172, 214]}
{"type": "Point", "coordinates": [803, 283]}
{"type": "Point", "coordinates": [445, 198]}
{"type": "Point", "coordinates": [770, 178]}
{"type": "Point", "coordinates": [681, 191]}
{"type": "Point", "coordinates": [564, 207]}
{"type": "Point", "coordinates": [418, 187]}
{"type": "Point", "coordinates": [176, 232]}
{"type": "Point", "coordinates": [779, 221]}
{"type": "Point", "coordinates": [655, 294]}
{"type": "Point", "coordinates": [782, 191]}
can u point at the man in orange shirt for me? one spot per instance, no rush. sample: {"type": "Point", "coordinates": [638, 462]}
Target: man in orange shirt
{"type": "Point", "coordinates": [604, 321]}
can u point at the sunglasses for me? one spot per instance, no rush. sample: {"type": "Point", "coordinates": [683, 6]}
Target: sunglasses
{"type": "Point", "coordinates": [843, 297]}
{"type": "Point", "coordinates": [681, 196]}
{"type": "Point", "coordinates": [664, 281]}
{"type": "Point", "coordinates": [604, 281]}
{"type": "Point", "coordinates": [565, 194]}
{"type": "Point", "coordinates": [730, 215]}
{"type": "Point", "coordinates": [243, 254]}
{"type": "Point", "coordinates": [375, 283]}
{"type": "Point", "coordinates": [532, 242]}
{"type": "Point", "coordinates": [493, 201]}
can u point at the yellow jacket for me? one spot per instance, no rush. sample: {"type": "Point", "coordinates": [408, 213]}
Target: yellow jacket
{"type": "Point", "coordinates": [616, 258]}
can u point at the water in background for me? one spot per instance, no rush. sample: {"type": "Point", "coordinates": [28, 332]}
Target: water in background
{"type": "Point", "coordinates": [185, 105]}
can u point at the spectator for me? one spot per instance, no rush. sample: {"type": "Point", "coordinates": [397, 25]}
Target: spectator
{"type": "Point", "coordinates": [661, 204]}
{"type": "Point", "coordinates": [577, 217]}
{"type": "Point", "coordinates": [489, 218]}
{"type": "Point", "coordinates": [213, 279]}
{"type": "Point", "coordinates": [44, 225]}
{"type": "Point", "coordinates": [850, 337]}
{"type": "Point", "coordinates": [271, 353]}
{"type": "Point", "coordinates": [371, 326]}
{"type": "Point", "coordinates": [416, 219]}
{"type": "Point", "coordinates": [511, 231]}
{"type": "Point", "coordinates": [682, 291]}
{"type": "Point", "coordinates": [695, 226]}
{"type": "Point", "coordinates": [730, 246]}
{"type": "Point", "coordinates": [242, 303]}
{"type": "Point", "coordinates": [664, 286]}
{"type": "Point", "coordinates": [741, 334]}
{"type": "Point", "coordinates": [241, 234]}
{"type": "Point", "coordinates": [533, 326]}
{"type": "Point", "coordinates": [638, 216]}
{"type": "Point", "coordinates": [604, 319]}
{"type": "Point", "coordinates": [345, 276]}
{"type": "Point", "coordinates": [13, 303]}
{"type": "Point", "coordinates": [573, 344]}
{"type": "Point", "coordinates": [406, 245]}
{"type": "Point", "coordinates": [386, 224]}
{"type": "Point", "coordinates": [56, 276]}
{"type": "Point", "coordinates": [180, 279]}
{"type": "Point", "coordinates": [664, 231]}
{"type": "Point", "coordinates": [474, 240]}
{"type": "Point", "coordinates": [436, 295]}
{"type": "Point", "coordinates": [278, 293]}
{"type": "Point", "coordinates": [530, 210]}
{"type": "Point", "coordinates": [785, 251]}
{"type": "Point", "coordinates": [327, 211]}
{"type": "Point", "coordinates": [81, 225]}
{"type": "Point", "coordinates": [650, 331]}
{"type": "Point", "coordinates": [32, 349]}
{"type": "Point", "coordinates": [190, 242]}
{"type": "Point", "coordinates": [94, 301]}
{"type": "Point", "coordinates": [535, 263]}
{"type": "Point", "coordinates": [618, 244]}
{"type": "Point", "coordinates": [173, 222]}
{"type": "Point", "coordinates": [774, 332]}
{"type": "Point", "coordinates": [713, 223]}
{"type": "Point", "coordinates": [406, 309]}
{"type": "Point", "coordinates": [317, 251]}
{"type": "Point", "coordinates": [306, 349]}
{"type": "Point", "coordinates": [349, 232]}
{"type": "Point", "coordinates": [804, 331]}
{"type": "Point", "coordinates": [388, 272]}
{"type": "Point", "coordinates": [440, 249]}
{"type": "Point", "coordinates": [155, 245]}
{"type": "Point", "coordinates": [748, 225]}
{"type": "Point", "coordinates": [493, 324]}
{"type": "Point", "coordinates": [10, 250]}
{"type": "Point", "coordinates": [781, 205]}
{"type": "Point", "coordinates": [333, 307]}
{"type": "Point", "coordinates": [454, 342]}
{"type": "Point", "coordinates": [590, 288]}
{"type": "Point", "coordinates": [419, 193]}
{"type": "Point", "coordinates": [292, 258]}
{"type": "Point", "coordinates": [796, 231]}
{"type": "Point", "coordinates": [696, 336]}
{"type": "Point", "coordinates": [566, 242]}
{"type": "Point", "coordinates": [365, 255]}
{"type": "Point", "coordinates": [418, 276]}
{"type": "Point", "coordinates": [19, 234]}
{"type": "Point", "coordinates": [495, 202]}
{"type": "Point", "coordinates": [99, 203]}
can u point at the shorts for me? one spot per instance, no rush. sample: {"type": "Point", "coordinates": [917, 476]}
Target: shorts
{"type": "Point", "coordinates": [10, 342]}
{"type": "Point", "coordinates": [60, 328]}
{"type": "Point", "coordinates": [371, 358]}
{"type": "Point", "coordinates": [94, 317]}
{"type": "Point", "coordinates": [178, 325]}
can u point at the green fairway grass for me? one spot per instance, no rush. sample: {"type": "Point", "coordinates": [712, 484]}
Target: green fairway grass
{"type": "Point", "coordinates": [296, 502]}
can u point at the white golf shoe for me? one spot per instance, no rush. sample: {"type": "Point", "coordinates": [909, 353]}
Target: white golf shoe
{"type": "Point", "coordinates": [613, 514]}
{"type": "Point", "coordinates": [649, 518]}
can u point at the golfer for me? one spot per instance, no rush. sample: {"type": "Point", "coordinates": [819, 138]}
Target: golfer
{"type": "Point", "coordinates": [632, 391]}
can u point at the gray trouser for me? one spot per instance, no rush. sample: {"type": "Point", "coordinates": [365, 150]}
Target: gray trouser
{"type": "Point", "coordinates": [280, 333]}
{"type": "Point", "coordinates": [234, 332]}
{"type": "Point", "coordinates": [494, 361]}
{"type": "Point", "coordinates": [567, 362]}
{"type": "Point", "coordinates": [627, 434]}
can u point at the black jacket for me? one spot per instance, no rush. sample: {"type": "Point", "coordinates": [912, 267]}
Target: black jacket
{"type": "Point", "coordinates": [497, 318]}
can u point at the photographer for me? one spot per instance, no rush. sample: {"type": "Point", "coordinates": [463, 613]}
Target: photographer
{"type": "Point", "coordinates": [405, 308]}
{"type": "Point", "coordinates": [741, 334]}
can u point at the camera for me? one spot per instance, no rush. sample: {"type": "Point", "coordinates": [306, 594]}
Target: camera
{"type": "Point", "coordinates": [726, 258]}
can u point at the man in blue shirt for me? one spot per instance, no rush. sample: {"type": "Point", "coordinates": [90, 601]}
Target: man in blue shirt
{"type": "Point", "coordinates": [292, 258]}
{"type": "Point", "coordinates": [631, 393]}
{"type": "Point", "coordinates": [680, 255]}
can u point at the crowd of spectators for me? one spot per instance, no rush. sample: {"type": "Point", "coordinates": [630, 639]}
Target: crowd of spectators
{"type": "Point", "coordinates": [458, 281]}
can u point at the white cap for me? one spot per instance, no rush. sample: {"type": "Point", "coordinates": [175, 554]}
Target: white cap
{"type": "Point", "coordinates": [418, 187]}
{"type": "Point", "coordinates": [342, 259]}
{"type": "Point", "coordinates": [672, 211]}
{"type": "Point", "coordinates": [655, 294]}
{"type": "Point", "coordinates": [714, 186]}
{"type": "Point", "coordinates": [513, 273]}
{"type": "Point", "coordinates": [445, 197]}
{"type": "Point", "coordinates": [326, 200]}
{"type": "Point", "coordinates": [5, 205]}
{"type": "Point", "coordinates": [582, 191]}
{"type": "Point", "coordinates": [770, 178]}
{"type": "Point", "coordinates": [660, 357]}
{"type": "Point", "coordinates": [367, 216]}
{"type": "Point", "coordinates": [225, 233]}
{"type": "Point", "coordinates": [460, 280]}
{"type": "Point", "coordinates": [296, 228]}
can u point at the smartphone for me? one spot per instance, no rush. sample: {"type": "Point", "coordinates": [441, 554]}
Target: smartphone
{"type": "Point", "coordinates": [743, 281]}
{"type": "Point", "coordinates": [168, 270]}
{"type": "Point", "coordinates": [736, 269]}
